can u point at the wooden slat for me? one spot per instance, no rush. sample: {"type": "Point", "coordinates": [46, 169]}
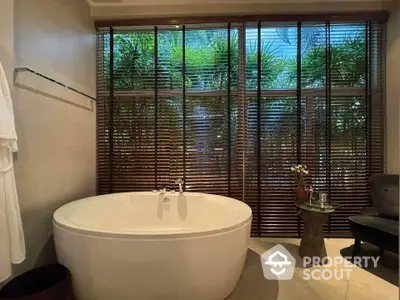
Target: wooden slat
{"type": "Point", "coordinates": [239, 136]}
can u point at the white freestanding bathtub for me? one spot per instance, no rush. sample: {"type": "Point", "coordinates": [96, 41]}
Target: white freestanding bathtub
{"type": "Point", "coordinates": [143, 245]}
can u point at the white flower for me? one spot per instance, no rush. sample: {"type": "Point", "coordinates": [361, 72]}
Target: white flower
{"type": "Point", "coordinates": [300, 166]}
{"type": "Point", "coordinates": [305, 172]}
{"type": "Point", "coordinates": [298, 171]}
{"type": "Point", "coordinates": [292, 169]}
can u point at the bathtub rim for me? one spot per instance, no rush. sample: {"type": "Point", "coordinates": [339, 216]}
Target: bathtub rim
{"type": "Point", "coordinates": [148, 238]}
{"type": "Point", "coordinates": [170, 235]}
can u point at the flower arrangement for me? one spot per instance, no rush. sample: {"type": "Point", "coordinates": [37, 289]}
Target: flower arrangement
{"type": "Point", "coordinates": [300, 172]}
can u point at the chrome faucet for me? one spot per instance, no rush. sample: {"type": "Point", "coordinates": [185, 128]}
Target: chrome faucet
{"type": "Point", "coordinates": [180, 182]}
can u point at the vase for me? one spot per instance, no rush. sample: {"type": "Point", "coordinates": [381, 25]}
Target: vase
{"type": "Point", "coordinates": [302, 193]}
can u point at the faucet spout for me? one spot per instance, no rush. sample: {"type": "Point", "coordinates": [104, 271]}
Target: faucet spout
{"type": "Point", "coordinates": [180, 182]}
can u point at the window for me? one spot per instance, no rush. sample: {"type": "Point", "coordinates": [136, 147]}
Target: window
{"type": "Point", "coordinates": [229, 107]}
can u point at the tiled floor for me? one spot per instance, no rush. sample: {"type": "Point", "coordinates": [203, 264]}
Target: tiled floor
{"type": "Point", "coordinates": [371, 284]}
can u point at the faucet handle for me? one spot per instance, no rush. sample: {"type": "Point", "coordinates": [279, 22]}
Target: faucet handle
{"type": "Point", "coordinates": [163, 189]}
{"type": "Point", "coordinates": [179, 181]}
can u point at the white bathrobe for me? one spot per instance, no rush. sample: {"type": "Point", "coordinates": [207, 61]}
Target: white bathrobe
{"type": "Point", "coordinates": [12, 243]}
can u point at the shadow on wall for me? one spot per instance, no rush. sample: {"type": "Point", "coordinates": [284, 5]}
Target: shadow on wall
{"type": "Point", "coordinates": [38, 230]}
{"type": "Point", "coordinates": [48, 254]}
{"type": "Point", "coordinates": [38, 238]}
{"type": "Point", "coordinates": [47, 95]}
{"type": "Point", "coordinates": [252, 284]}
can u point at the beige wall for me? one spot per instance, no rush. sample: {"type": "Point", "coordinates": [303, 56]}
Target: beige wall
{"type": "Point", "coordinates": [7, 37]}
{"type": "Point", "coordinates": [393, 92]}
{"type": "Point", "coordinates": [56, 127]}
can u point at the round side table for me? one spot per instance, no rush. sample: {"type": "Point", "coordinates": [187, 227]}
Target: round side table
{"type": "Point", "coordinates": [314, 214]}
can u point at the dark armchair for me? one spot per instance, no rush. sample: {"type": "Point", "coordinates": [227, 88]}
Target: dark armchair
{"type": "Point", "coordinates": [379, 224]}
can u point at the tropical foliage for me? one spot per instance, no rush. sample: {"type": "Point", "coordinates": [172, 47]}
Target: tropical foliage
{"type": "Point", "coordinates": [205, 55]}
{"type": "Point", "coordinates": [347, 64]}
{"type": "Point", "coordinates": [207, 64]}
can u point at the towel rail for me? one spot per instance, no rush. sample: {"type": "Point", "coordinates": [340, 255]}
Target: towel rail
{"type": "Point", "coordinates": [25, 69]}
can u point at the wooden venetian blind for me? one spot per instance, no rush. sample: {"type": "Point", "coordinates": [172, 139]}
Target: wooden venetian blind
{"type": "Point", "coordinates": [230, 107]}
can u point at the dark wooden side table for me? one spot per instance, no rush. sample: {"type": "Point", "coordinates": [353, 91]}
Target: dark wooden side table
{"type": "Point", "coordinates": [314, 214]}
